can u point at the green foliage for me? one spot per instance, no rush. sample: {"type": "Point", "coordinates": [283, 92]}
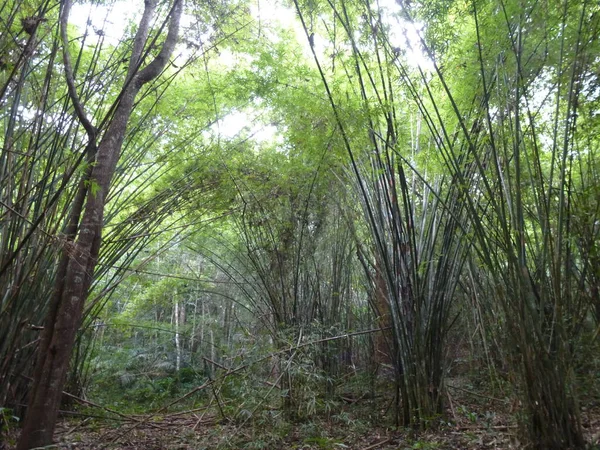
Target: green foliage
{"type": "Point", "coordinates": [223, 246]}
{"type": "Point", "coordinates": [131, 381]}
{"type": "Point", "coordinates": [7, 421]}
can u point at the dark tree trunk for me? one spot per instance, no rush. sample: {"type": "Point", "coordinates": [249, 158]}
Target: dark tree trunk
{"type": "Point", "coordinates": [84, 235]}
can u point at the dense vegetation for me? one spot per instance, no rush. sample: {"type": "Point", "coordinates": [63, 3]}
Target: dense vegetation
{"type": "Point", "coordinates": [275, 214]}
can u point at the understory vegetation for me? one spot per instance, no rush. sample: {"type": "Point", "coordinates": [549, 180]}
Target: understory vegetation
{"type": "Point", "coordinates": [300, 224]}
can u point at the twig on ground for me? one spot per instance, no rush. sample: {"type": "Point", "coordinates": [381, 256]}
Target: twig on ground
{"type": "Point", "coordinates": [79, 425]}
{"type": "Point", "coordinates": [479, 395]}
{"type": "Point", "coordinates": [451, 405]}
{"type": "Point", "coordinates": [377, 444]}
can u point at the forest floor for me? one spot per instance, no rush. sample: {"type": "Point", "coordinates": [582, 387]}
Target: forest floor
{"type": "Point", "coordinates": [472, 421]}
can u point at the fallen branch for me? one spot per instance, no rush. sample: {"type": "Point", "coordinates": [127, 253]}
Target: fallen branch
{"type": "Point", "coordinates": [377, 444]}
{"type": "Point", "coordinates": [485, 428]}
{"type": "Point", "coordinates": [479, 395]}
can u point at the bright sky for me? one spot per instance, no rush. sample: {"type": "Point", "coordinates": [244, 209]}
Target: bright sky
{"type": "Point", "coordinates": [111, 21]}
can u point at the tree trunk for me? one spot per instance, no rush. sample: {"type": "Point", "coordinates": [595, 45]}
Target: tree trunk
{"type": "Point", "coordinates": [177, 342]}
{"type": "Point", "coordinates": [80, 254]}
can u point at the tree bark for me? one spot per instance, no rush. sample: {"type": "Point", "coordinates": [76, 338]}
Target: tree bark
{"type": "Point", "coordinates": [84, 233]}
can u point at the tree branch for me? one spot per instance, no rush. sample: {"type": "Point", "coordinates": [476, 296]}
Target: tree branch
{"type": "Point", "coordinates": [153, 69]}
{"type": "Point", "coordinates": [139, 42]}
{"type": "Point", "coordinates": [89, 128]}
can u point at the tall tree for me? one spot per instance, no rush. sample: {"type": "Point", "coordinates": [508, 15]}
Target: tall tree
{"type": "Point", "coordinates": [83, 234]}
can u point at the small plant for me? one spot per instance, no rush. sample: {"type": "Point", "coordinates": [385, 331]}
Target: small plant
{"type": "Point", "coordinates": [489, 418]}
{"type": "Point", "coordinates": [470, 415]}
{"type": "Point", "coordinates": [311, 430]}
{"type": "Point", "coordinates": [7, 420]}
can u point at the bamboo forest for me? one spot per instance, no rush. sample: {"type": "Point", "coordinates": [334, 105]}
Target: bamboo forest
{"type": "Point", "coordinates": [300, 224]}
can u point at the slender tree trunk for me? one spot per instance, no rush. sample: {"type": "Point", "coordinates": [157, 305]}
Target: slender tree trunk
{"type": "Point", "coordinates": [79, 257]}
{"type": "Point", "coordinates": [193, 343]}
{"type": "Point", "coordinates": [177, 342]}
{"type": "Point", "coordinates": [212, 352]}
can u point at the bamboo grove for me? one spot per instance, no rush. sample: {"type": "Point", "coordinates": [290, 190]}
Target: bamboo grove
{"type": "Point", "coordinates": [354, 191]}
